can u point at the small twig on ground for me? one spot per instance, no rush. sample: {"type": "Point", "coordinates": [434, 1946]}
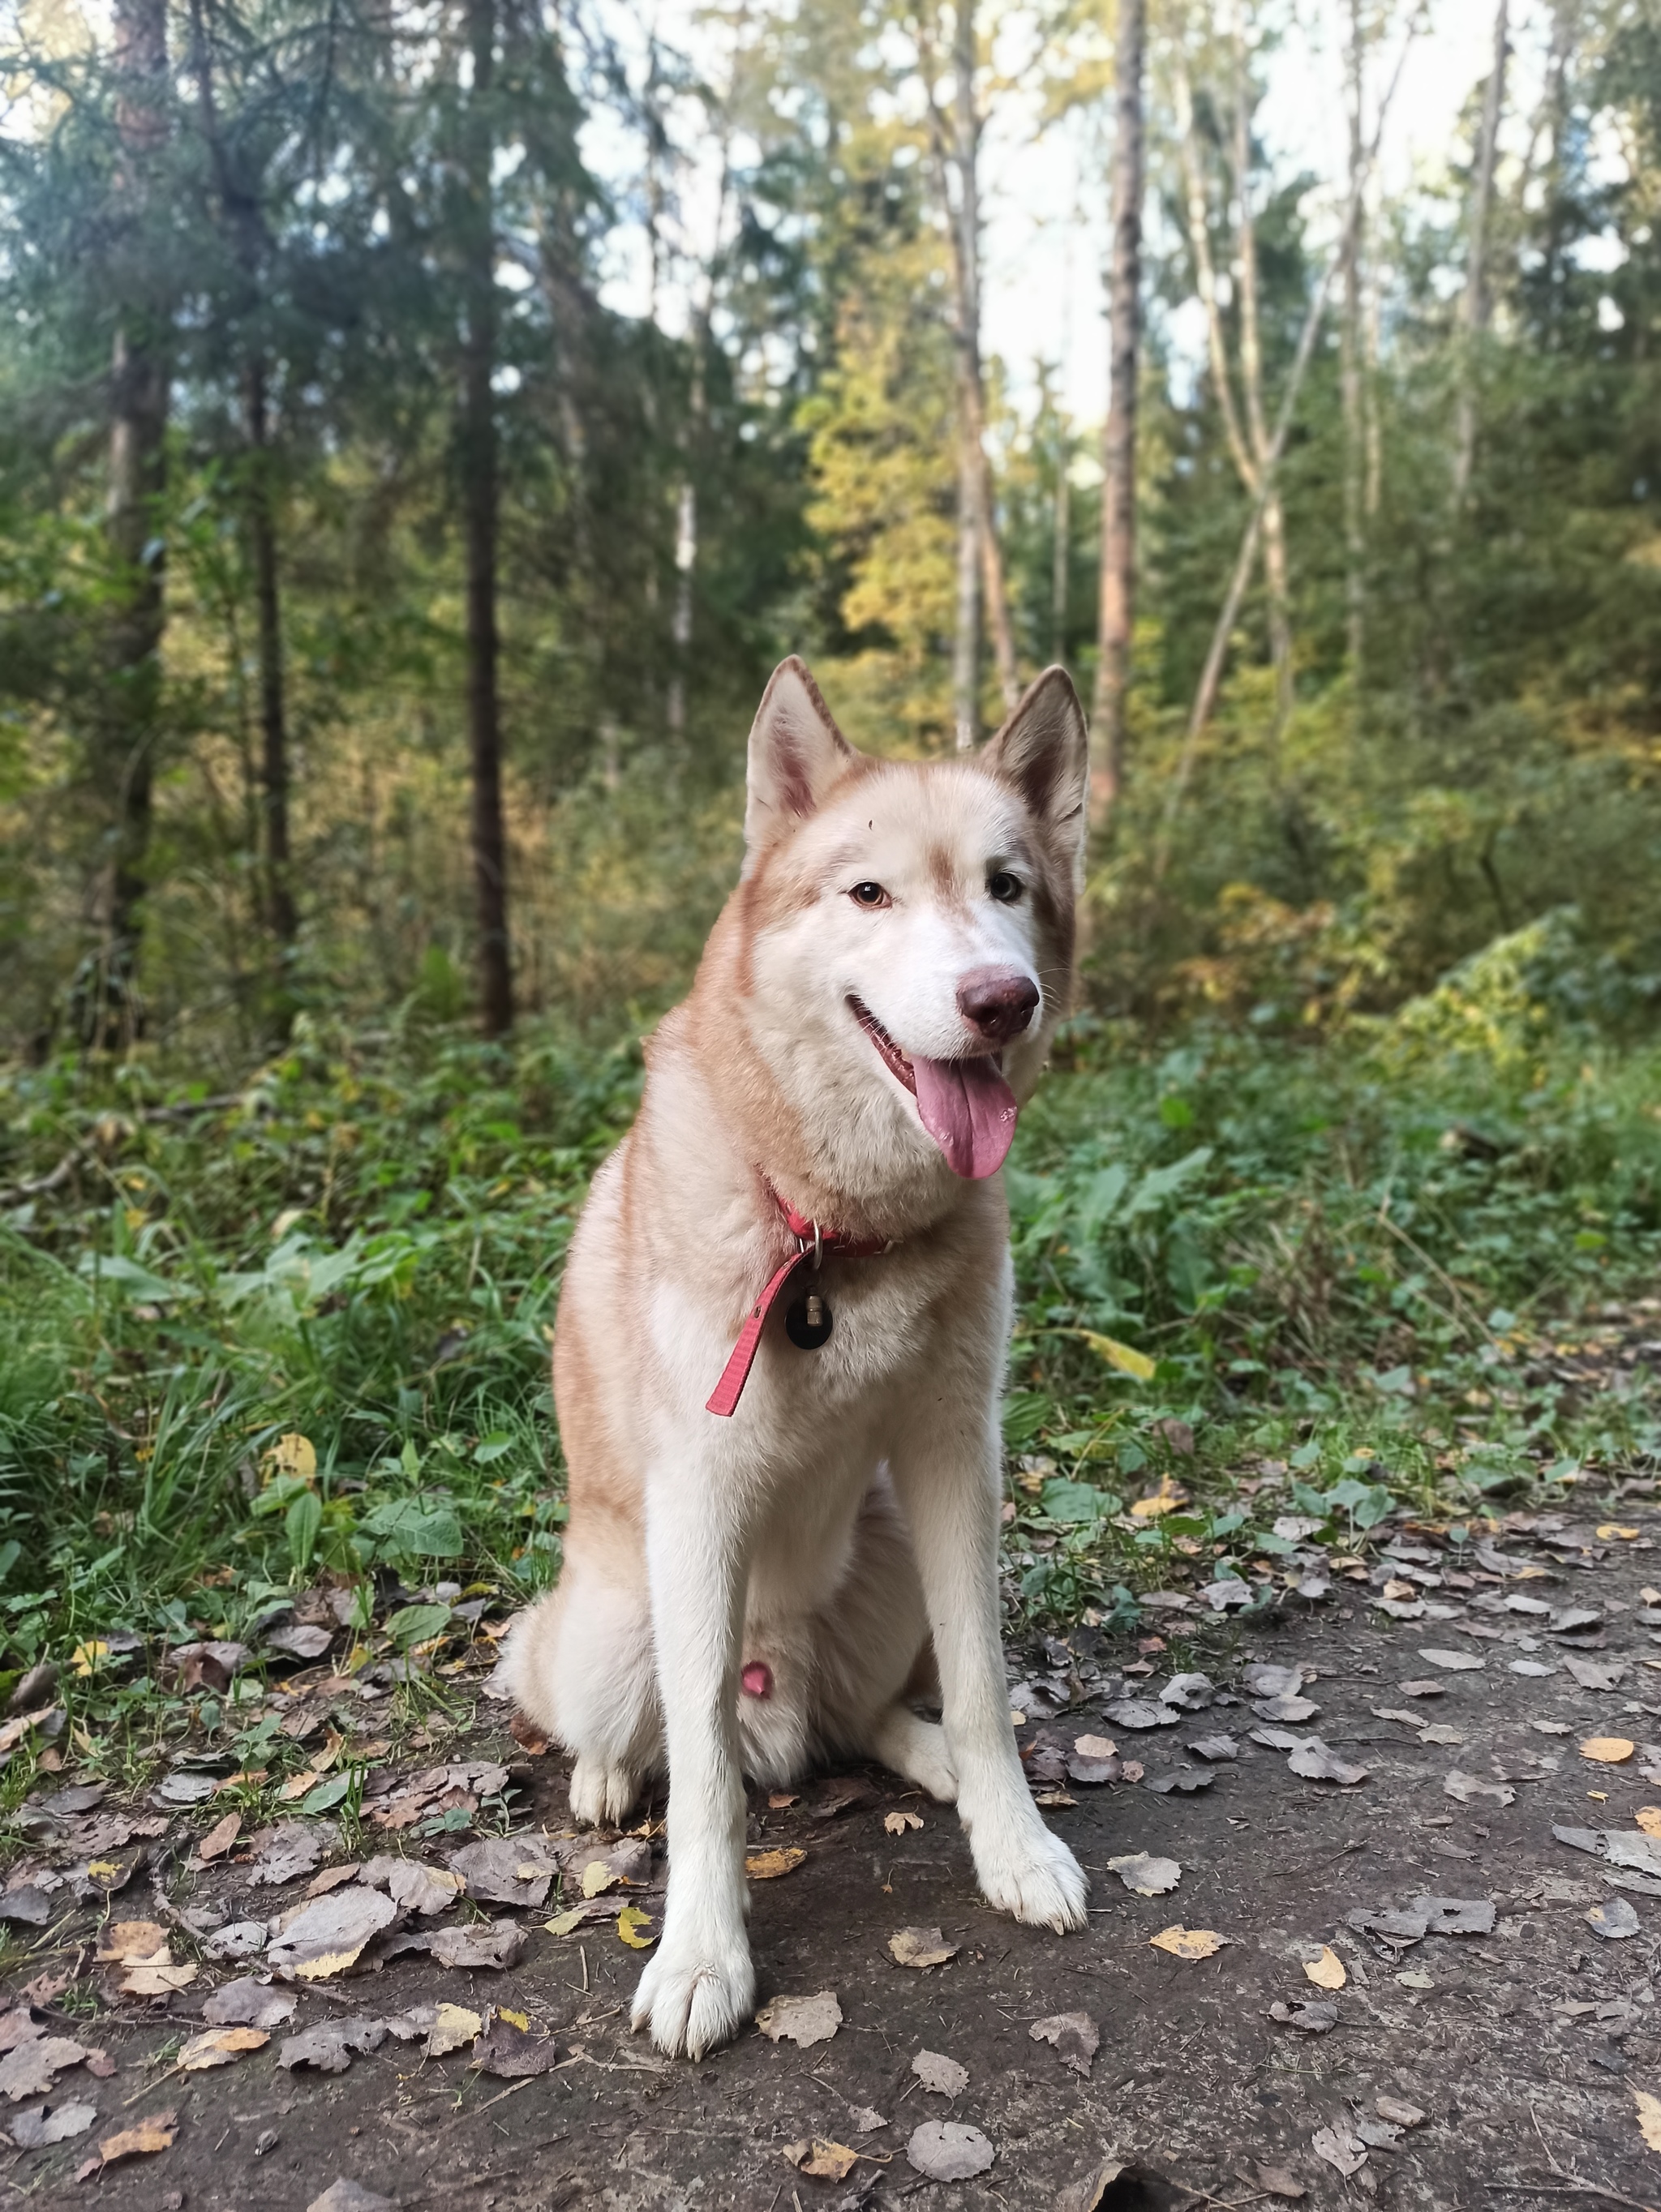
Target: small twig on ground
{"type": "Point", "coordinates": [478, 2111]}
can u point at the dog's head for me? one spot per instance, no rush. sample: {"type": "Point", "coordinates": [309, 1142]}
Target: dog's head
{"type": "Point", "coordinates": [909, 926]}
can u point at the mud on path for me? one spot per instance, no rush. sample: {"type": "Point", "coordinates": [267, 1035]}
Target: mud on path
{"type": "Point", "coordinates": [1522, 2043]}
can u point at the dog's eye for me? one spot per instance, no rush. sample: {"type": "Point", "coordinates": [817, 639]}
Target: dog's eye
{"type": "Point", "coordinates": [870, 895]}
{"type": "Point", "coordinates": [1005, 888]}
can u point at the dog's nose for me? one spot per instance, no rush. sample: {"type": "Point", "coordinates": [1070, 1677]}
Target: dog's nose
{"type": "Point", "coordinates": [998, 1002]}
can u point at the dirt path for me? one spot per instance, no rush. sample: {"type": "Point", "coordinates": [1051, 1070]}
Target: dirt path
{"type": "Point", "coordinates": [1522, 2046]}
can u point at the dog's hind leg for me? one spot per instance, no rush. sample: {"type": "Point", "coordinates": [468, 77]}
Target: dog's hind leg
{"type": "Point", "coordinates": [874, 1655]}
{"type": "Point", "coordinates": [579, 1664]}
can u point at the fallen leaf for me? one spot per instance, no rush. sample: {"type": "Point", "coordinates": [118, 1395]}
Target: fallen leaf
{"type": "Point", "coordinates": [1648, 1818]}
{"type": "Point", "coordinates": [219, 1838]}
{"type": "Point", "coordinates": [348, 2196]}
{"type": "Point", "coordinates": [219, 2046]}
{"type": "Point", "coordinates": [513, 2051]}
{"type": "Point", "coordinates": [28, 2070]}
{"type": "Point", "coordinates": [922, 1946]}
{"type": "Point", "coordinates": [943, 2075]}
{"type": "Point", "coordinates": [897, 1823]}
{"type": "Point", "coordinates": [1215, 1749]}
{"type": "Point", "coordinates": [1169, 1498]}
{"type": "Point", "coordinates": [801, 2021]}
{"type": "Point", "coordinates": [1439, 1732]}
{"type": "Point", "coordinates": [1453, 1662]}
{"type": "Point", "coordinates": [632, 1924]}
{"type": "Point", "coordinates": [453, 2029]}
{"type": "Point", "coordinates": [1340, 2146]}
{"type": "Point", "coordinates": [768, 1866]}
{"type": "Point", "coordinates": [155, 2134]}
{"type": "Point", "coordinates": [1075, 2035]}
{"type": "Point", "coordinates": [1613, 1919]}
{"type": "Point", "coordinates": [1649, 2117]}
{"type": "Point", "coordinates": [1128, 1360]}
{"type": "Point", "coordinates": [943, 2151]}
{"type": "Point", "coordinates": [1277, 2181]}
{"type": "Point", "coordinates": [520, 1870]}
{"type": "Point", "coordinates": [825, 2161]}
{"type": "Point", "coordinates": [326, 1937]}
{"type": "Point", "coordinates": [38, 2126]}
{"type": "Point", "coordinates": [134, 1943]}
{"type": "Point", "coordinates": [415, 1888]}
{"type": "Point", "coordinates": [1326, 1971]}
{"type": "Point", "coordinates": [598, 1877]}
{"type": "Point", "coordinates": [1467, 1787]}
{"type": "Point", "coordinates": [157, 1981]}
{"type": "Point", "coordinates": [497, 1945]}
{"type": "Point", "coordinates": [1608, 1750]}
{"type": "Point", "coordinates": [1187, 1943]}
{"type": "Point", "coordinates": [248, 2003]}
{"type": "Point", "coordinates": [1185, 1779]}
{"type": "Point", "coordinates": [292, 1455]}
{"type": "Point", "coordinates": [1314, 2019]}
{"type": "Point", "coordinates": [1145, 1876]}
{"type": "Point", "coordinates": [567, 1924]}
{"type": "Point", "coordinates": [329, 2045]}
{"type": "Point", "coordinates": [1285, 1710]}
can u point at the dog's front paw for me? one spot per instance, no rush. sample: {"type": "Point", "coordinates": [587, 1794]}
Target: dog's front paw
{"type": "Point", "coordinates": [695, 1995]}
{"type": "Point", "coordinates": [1032, 1875]}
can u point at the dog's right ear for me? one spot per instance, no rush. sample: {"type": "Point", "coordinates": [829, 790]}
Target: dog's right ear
{"type": "Point", "coordinates": [796, 754]}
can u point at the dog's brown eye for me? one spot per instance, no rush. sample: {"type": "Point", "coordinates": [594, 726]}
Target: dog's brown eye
{"type": "Point", "coordinates": [1005, 888]}
{"type": "Point", "coordinates": [869, 895]}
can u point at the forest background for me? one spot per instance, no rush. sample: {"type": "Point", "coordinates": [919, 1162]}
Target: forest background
{"type": "Point", "coordinates": [384, 601]}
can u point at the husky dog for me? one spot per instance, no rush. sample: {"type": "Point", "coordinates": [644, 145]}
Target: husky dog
{"type": "Point", "coordinates": [783, 1324]}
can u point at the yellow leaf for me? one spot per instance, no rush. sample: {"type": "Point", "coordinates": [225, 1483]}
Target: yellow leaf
{"type": "Point", "coordinates": [135, 1944]}
{"type": "Point", "coordinates": [825, 2161]}
{"type": "Point", "coordinates": [598, 1877]}
{"type": "Point", "coordinates": [1165, 1499]}
{"type": "Point", "coordinates": [1122, 1356]}
{"type": "Point", "coordinates": [565, 1924]}
{"type": "Point", "coordinates": [219, 2046]}
{"type": "Point", "coordinates": [768, 1866]}
{"type": "Point", "coordinates": [1648, 1818]}
{"type": "Point", "coordinates": [515, 2018]}
{"type": "Point", "coordinates": [1610, 1529]}
{"type": "Point", "coordinates": [1608, 1750]}
{"type": "Point", "coordinates": [1327, 1972]}
{"type": "Point", "coordinates": [897, 1823]}
{"type": "Point", "coordinates": [453, 2030]}
{"type": "Point", "coordinates": [104, 1870]}
{"type": "Point", "coordinates": [1649, 2117]}
{"type": "Point", "coordinates": [152, 2135]}
{"type": "Point", "coordinates": [87, 1658]}
{"type": "Point", "coordinates": [631, 1921]}
{"type": "Point", "coordinates": [292, 1455]}
{"type": "Point", "coordinates": [1187, 1943]}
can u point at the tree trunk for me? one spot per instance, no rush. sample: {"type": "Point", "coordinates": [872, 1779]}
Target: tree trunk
{"type": "Point", "coordinates": [109, 1012]}
{"type": "Point", "coordinates": [1060, 551]}
{"type": "Point", "coordinates": [244, 219]}
{"type": "Point", "coordinates": [480, 501]}
{"type": "Point", "coordinates": [1474, 305]}
{"type": "Point", "coordinates": [1117, 608]}
{"type": "Point", "coordinates": [281, 917]}
{"type": "Point", "coordinates": [1352, 374]}
{"type": "Point", "coordinates": [1251, 378]}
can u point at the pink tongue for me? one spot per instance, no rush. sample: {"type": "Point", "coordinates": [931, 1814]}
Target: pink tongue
{"type": "Point", "coordinates": [969, 1110]}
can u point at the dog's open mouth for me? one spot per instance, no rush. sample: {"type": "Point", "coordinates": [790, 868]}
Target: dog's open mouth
{"type": "Point", "coordinates": [965, 1105]}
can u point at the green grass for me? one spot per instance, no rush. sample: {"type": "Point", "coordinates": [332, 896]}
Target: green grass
{"type": "Point", "coordinates": [1332, 1255]}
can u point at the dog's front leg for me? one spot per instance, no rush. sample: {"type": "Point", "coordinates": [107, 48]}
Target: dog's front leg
{"type": "Point", "coordinates": [699, 1986]}
{"type": "Point", "coordinates": [947, 1478]}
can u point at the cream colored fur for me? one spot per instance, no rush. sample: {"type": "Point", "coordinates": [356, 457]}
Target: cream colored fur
{"type": "Point", "coordinates": [848, 1512]}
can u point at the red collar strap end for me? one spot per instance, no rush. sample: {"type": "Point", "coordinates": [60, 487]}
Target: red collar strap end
{"type": "Point", "coordinates": [811, 1240]}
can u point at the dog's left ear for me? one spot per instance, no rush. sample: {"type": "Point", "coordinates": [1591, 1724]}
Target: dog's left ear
{"type": "Point", "coordinates": [1043, 749]}
{"type": "Point", "coordinates": [796, 754]}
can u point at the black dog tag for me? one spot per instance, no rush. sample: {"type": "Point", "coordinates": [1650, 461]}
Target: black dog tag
{"type": "Point", "coordinates": [807, 1323]}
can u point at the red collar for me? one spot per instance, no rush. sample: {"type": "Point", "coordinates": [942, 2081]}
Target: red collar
{"type": "Point", "coordinates": [812, 1239]}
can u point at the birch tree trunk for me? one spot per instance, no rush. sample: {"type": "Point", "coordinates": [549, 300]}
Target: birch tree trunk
{"type": "Point", "coordinates": [1276, 577]}
{"type": "Point", "coordinates": [1116, 613]}
{"type": "Point", "coordinates": [481, 493]}
{"type": "Point", "coordinates": [1474, 304]}
{"type": "Point", "coordinates": [1353, 372]}
{"type": "Point", "coordinates": [108, 1010]}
